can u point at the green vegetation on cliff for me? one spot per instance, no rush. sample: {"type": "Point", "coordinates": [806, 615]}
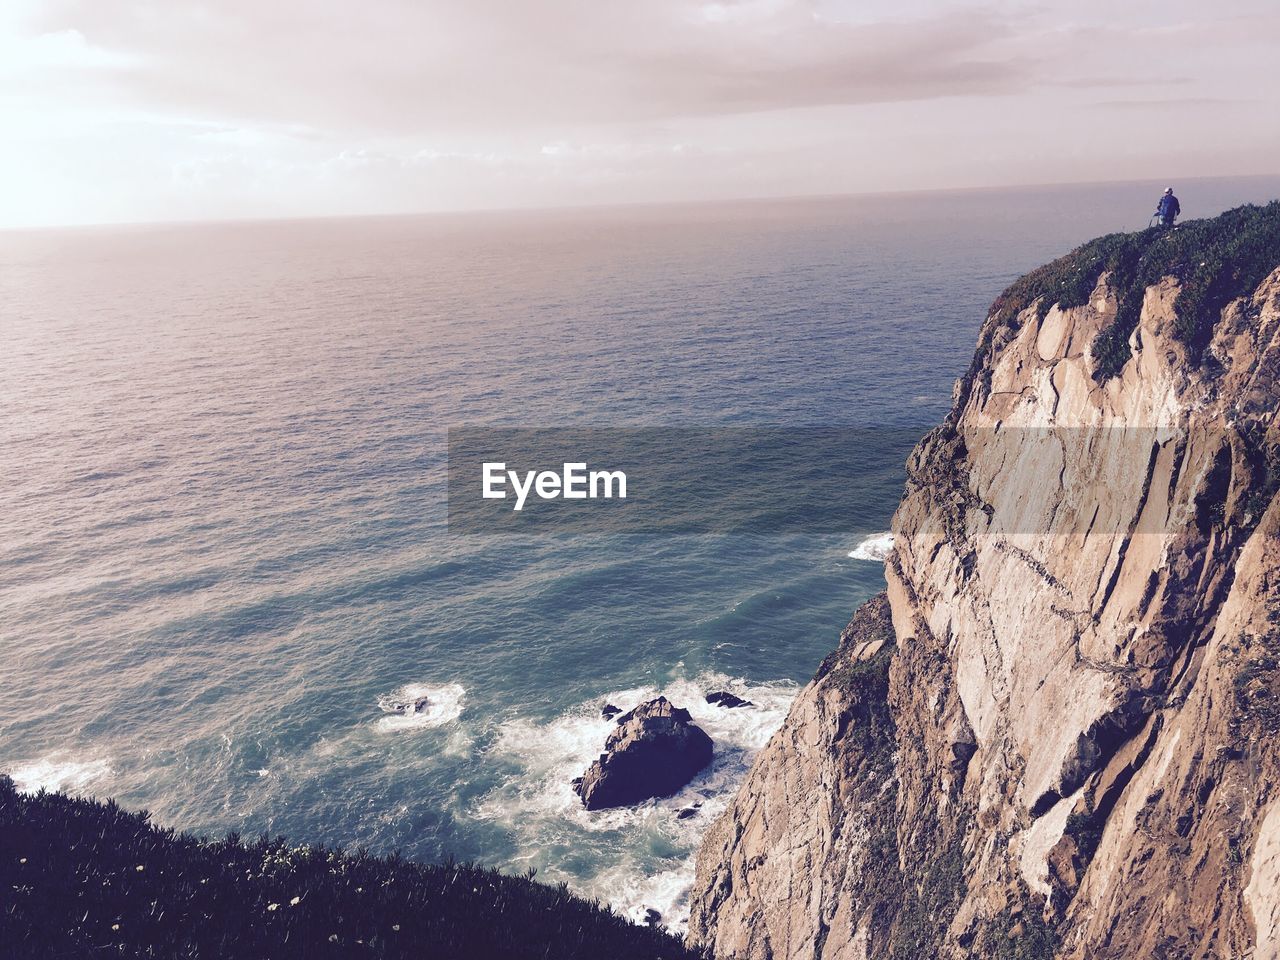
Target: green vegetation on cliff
{"type": "Point", "coordinates": [82, 878]}
{"type": "Point", "coordinates": [1214, 261]}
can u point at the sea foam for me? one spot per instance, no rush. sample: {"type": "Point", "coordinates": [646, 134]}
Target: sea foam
{"type": "Point", "coordinates": [875, 548]}
{"type": "Point", "coordinates": [444, 705]}
{"type": "Point", "coordinates": [650, 849]}
{"type": "Point", "coordinates": [59, 771]}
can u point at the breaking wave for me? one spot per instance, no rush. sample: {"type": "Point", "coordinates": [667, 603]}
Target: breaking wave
{"type": "Point", "coordinates": [420, 706]}
{"type": "Point", "coordinates": [59, 771]}
{"type": "Point", "coordinates": [875, 548]}
{"type": "Point", "coordinates": [646, 852]}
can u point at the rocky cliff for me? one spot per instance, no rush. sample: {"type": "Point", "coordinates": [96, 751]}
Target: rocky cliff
{"type": "Point", "coordinates": [1054, 735]}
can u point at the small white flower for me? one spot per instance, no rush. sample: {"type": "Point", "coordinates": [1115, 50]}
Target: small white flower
{"type": "Point", "coordinates": [141, 868]}
{"type": "Point", "coordinates": [115, 926]}
{"type": "Point", "coordinates": [395, 927]}
{"type": "Point", "coordinates": [272, 907]}
{"type": "Point", "coordinates": [23, 860]}
{"type": "Point", "coordinates": [333, 938]}
{"type": "Point", "coordinates": [295, 901]}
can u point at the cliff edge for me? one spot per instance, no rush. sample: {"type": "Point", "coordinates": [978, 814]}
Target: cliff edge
{"type": "Point", "coordinates": [1055, 734]}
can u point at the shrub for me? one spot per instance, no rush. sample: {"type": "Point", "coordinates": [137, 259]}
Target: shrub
{"type": "Point", "coordinates": [82, 878]}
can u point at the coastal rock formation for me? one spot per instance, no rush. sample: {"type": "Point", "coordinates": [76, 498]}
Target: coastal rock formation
{"type": "Point", "coordinates": [654, 751]}
{"type": "Point", "coordinates": [689, 812]}
{"type": "Point", "coordinates": [1055, 734]}
{"type": "Point", "coordinates": [723, 698]}
{"type": "Point", "coordinates": [409, 707]}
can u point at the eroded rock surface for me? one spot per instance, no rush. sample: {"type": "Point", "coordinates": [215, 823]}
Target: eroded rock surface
{"type": "Point", "coordinates": [653, 751]}
{"type": "Point", "coordinates": [1055, 736]}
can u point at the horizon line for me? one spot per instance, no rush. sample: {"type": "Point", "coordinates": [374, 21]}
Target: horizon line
{"type": "Point", "coordinates": [621, 205]}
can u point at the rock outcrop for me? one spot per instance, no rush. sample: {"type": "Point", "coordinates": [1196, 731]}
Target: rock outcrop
{"type": "Point", "coordinates": [1055, 734]}
{"type": "Point", "coordinates": [408, 707]}
{"type": "Point", "coordinates": [730, 701]}
{"type": "Point", "coordinates": [654, 751]}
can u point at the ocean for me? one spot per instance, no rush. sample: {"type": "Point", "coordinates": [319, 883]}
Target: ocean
{"type": "Point", "coordinates": [224, 556]}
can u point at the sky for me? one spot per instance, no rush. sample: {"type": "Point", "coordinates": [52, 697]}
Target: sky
{"type": "Point", "coordinates": [143, 110]}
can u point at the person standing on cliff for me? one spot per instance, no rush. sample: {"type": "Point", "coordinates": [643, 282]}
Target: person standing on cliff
{"type": "Point", "coordinates": [1168, 208]}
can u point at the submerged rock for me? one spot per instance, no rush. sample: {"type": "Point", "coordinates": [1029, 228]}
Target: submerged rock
{"type": "Point", "coordinates": [653, 752]}
{"type": "Point", "coordinates": [609, 711]}
{"type": "Point", "coordinates": [724, 698]}
{"type": "Point", "coordinates": [408, 707]}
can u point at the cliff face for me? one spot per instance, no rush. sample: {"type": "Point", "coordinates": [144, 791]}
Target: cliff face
{"type": "Point", "coordinates": [1055, 735]}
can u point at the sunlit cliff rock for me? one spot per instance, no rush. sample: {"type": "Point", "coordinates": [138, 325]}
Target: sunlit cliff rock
{"type": "Point", "coordinates": [1055, 734]}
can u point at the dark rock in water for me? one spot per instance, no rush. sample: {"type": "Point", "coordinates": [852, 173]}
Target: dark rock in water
{"type": "Point", "coordinates": [651, 917]}
{"type": "Point", "coordinates": [653, 752]}
{"type": "Point", "coordinates": [408, 707]}
{"type": "Point", "coordinates": [726, 699]}
{"type": "Point", "coordinates": [685, 813]}
{"type": "Point", "coordinates": [609, 711]}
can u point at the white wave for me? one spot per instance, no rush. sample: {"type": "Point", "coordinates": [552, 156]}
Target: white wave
{"type": "Point", "coordinates": [649, 849]}
{"type": "Point", "coordinates": [59, 771]}
{"type": "Point", "coordinates": [875, 548]}
{"type": "Point", "coordinates": [666, 891]}
{"type": "Point", "coordinates": [419, 706]}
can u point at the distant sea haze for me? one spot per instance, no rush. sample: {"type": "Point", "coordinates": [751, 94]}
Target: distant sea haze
{"type": "Point", "coordinates": [224, 565]}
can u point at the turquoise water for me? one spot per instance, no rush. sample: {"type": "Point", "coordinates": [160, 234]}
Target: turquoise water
{"type": "Point", "coordinates": [222, 544]}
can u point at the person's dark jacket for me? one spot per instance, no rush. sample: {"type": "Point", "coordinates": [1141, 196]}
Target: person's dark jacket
{"type": "Point", "coordinates": [1169, 208]}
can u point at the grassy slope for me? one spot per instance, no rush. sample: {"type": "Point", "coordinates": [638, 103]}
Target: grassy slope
{"type": "Point", "coordinates": [1215, 261]}
{"type": "Point", "coordinates": [82, 878]}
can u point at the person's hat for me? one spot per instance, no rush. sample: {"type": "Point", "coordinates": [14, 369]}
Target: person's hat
{"type": "Point", "coordinates": [1168, 189]}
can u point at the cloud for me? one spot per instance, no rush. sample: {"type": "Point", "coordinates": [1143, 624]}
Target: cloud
{"type": "Point", "coordinates": [153, 109]}
{"type": "Point", "coordinates": [57, 50]}
{"type": "Point", "coordinates": [395, 67]}
{"type": "Point", "coordinates": [1173, 103]}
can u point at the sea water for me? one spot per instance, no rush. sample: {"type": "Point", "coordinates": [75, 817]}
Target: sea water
{"type": "Point", "coordinates": [224, 561]}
